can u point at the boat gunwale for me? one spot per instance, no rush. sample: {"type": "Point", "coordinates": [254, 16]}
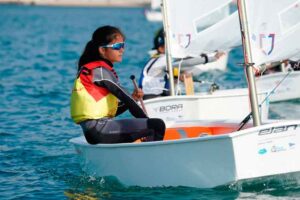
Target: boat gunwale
{"type": "Point", "coordinates": [203, 96]}
{"type": "Point", "coordinates": [277, 74]}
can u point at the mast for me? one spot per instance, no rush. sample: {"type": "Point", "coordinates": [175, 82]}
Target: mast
{"type": "Point", "coordinates": [167, 47]}
{"type": "Point", "coordinates": [248, 61]}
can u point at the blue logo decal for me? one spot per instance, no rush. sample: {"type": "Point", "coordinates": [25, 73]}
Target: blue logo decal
{"type": "Point", "coordinates": [291, 144]}
{"type": "Point", "coordinates": [262, 151]}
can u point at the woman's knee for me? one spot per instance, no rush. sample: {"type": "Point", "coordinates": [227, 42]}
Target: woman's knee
{"type": "Point", "coordinates": [92, 137]}
{"type": "Point", "coordinates": [159, 127]}
{"type": "Point", "coordinates": [92, 131]}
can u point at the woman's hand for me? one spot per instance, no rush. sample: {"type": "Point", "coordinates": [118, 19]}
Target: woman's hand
{"type": "Point", "coordinates": [219, 54]}
{"type": "Point", "coordinates": [185, 75]}
{"type": "Point", "coordinates": [137, 94]}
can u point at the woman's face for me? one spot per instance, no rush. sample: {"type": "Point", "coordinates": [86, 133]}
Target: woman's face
{"type": "Point", "coordinates": [113, 55]}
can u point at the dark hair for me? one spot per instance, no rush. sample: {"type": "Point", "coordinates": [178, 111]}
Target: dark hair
{"type": "Point", "coordinates": [102, 36]}
{"type": "Point", "coordinates": [159, 39]}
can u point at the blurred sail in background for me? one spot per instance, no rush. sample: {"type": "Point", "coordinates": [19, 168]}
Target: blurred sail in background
{"type": "Point", "coordinates": [206, 26]}
{"type": "Point", "coordinates": [154, 13]}
{"type": "Point", "coordinates": [274, 32]}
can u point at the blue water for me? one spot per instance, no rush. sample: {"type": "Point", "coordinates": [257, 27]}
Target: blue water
{"type": "Point", "coordinates": [38, 55]}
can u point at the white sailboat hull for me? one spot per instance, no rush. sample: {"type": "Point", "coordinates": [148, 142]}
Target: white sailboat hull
{"type": "Point", "coordinates": [202, 162]}
{"type": "Point", "coordinates": [153, 15]}
{"type": "Point", "coordinates": [220, 105]}
{"type": "Point", "coordinates": [287, 90]}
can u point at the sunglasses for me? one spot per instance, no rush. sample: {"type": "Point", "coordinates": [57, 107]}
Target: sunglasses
{"type": "Point", "coordinates": [115, 46]}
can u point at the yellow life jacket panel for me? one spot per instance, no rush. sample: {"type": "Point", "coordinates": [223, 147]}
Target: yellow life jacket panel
{"type": "Point", "coordinates": [91, 101]}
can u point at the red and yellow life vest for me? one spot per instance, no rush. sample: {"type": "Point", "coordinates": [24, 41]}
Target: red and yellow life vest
{"type": "Point", "coordinates": [89, 101]}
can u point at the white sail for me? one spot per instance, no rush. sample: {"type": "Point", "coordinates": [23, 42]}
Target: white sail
{"type": "Point", "coordinates": [274, 31]}
{"type": "Point", "coordinates": [197, 26]}
{"type": "Point", "coordinates": [153, 14]}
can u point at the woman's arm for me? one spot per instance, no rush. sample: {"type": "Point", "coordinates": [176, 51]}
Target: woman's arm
{"type": "Point", "coordinates": [104, 78]}
{"type": "Point", "coordinates": [122, 107]}
{"type": "Point", "coordinates": [202, 59]}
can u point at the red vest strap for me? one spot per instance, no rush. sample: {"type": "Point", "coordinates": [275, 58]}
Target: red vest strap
{"type": "Point", "coordinates": [95, 64]}
{"type": "Point", "coordinates": [101, 63]}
